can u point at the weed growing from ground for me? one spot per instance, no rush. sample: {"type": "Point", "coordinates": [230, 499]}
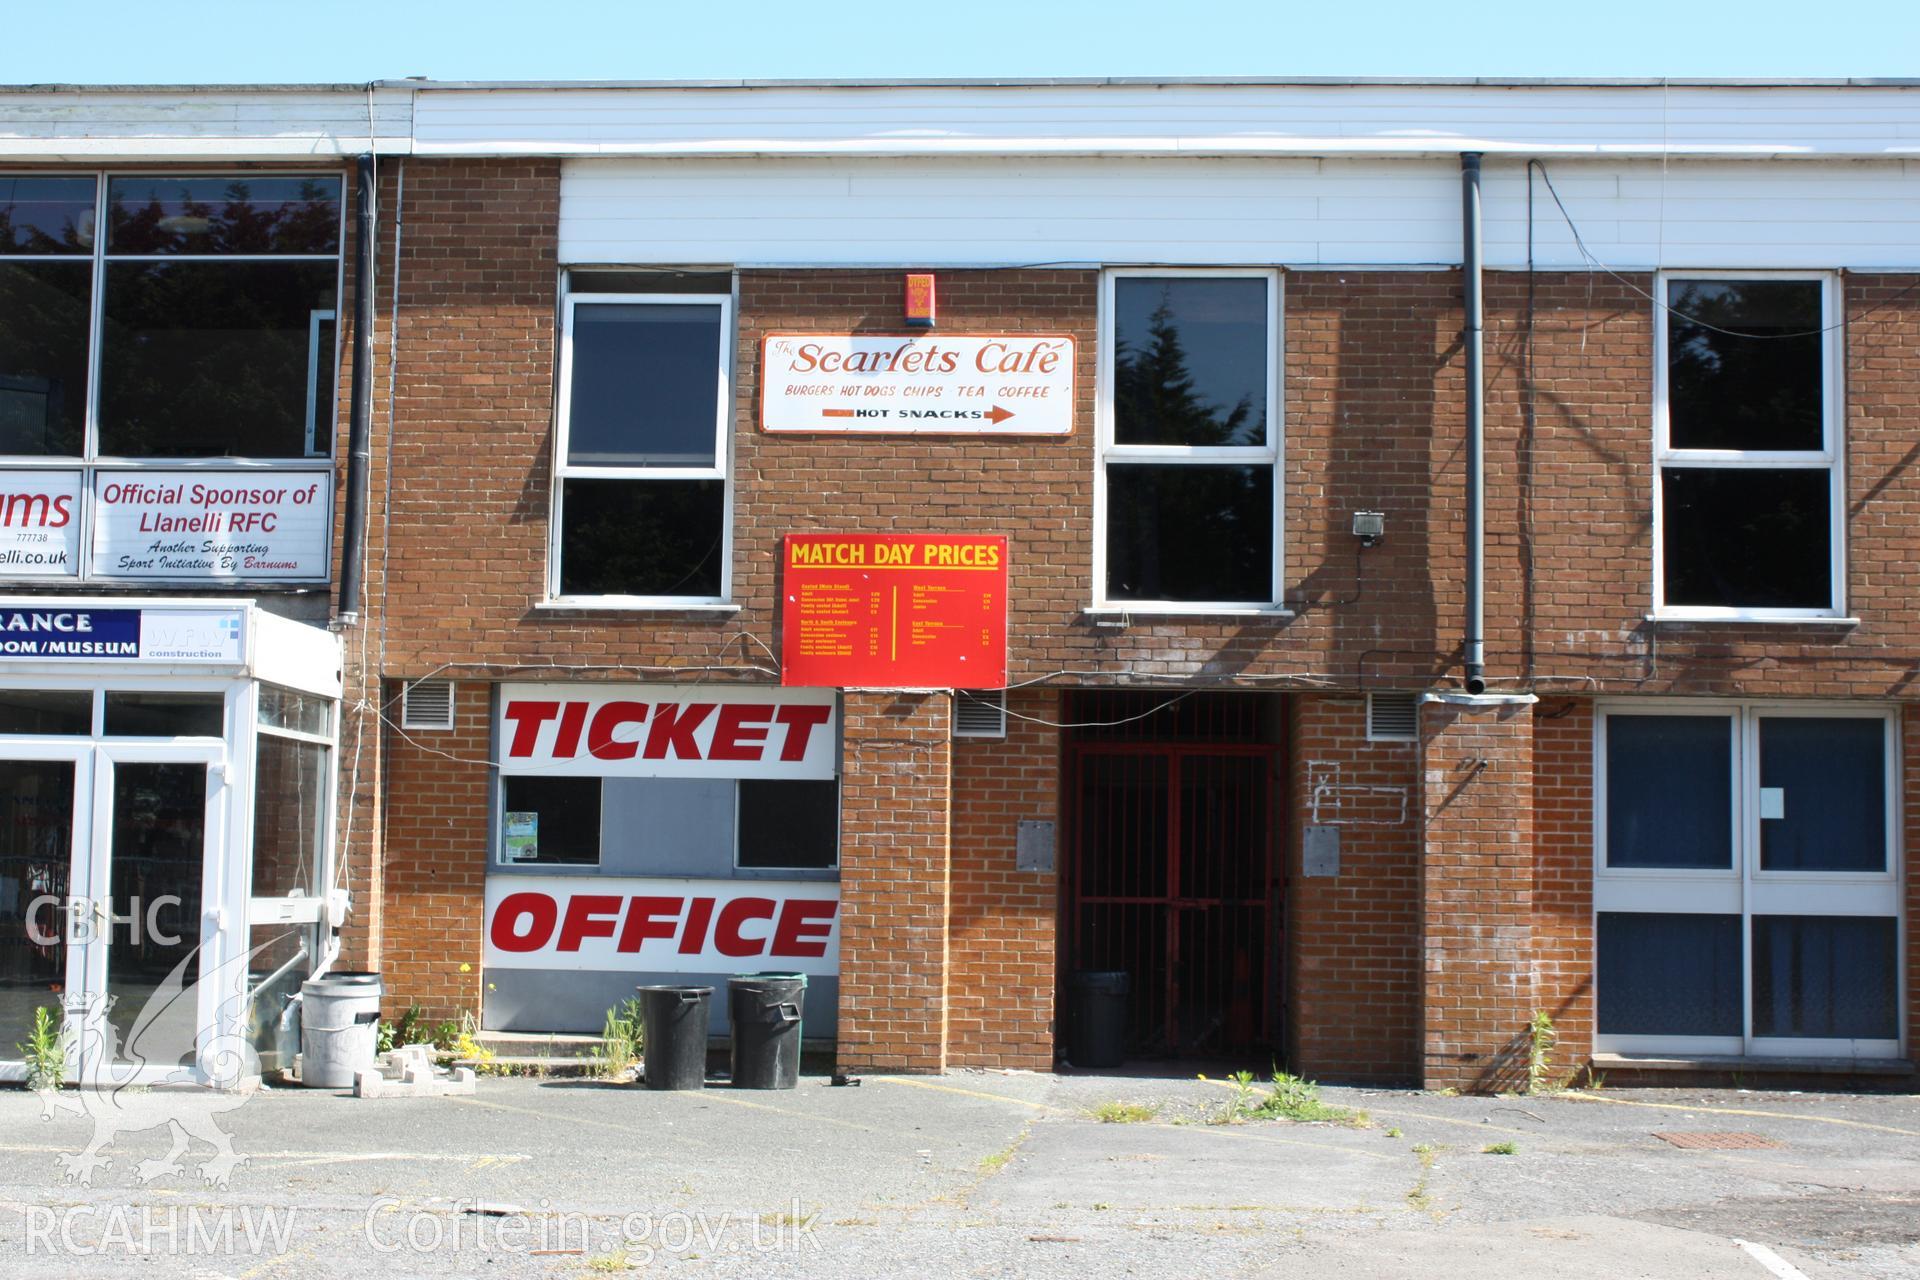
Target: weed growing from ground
{"type": "Point", "coordinates": [45, 1050]}
{"type": "Point", "coordinates": [620, 1040]}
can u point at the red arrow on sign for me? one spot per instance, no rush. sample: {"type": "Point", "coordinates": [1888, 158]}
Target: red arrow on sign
{"type": "Point", "coordinates": [997, 415]}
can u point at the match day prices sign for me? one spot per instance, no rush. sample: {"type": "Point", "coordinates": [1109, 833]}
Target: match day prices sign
{"type": "Point", "coordinates": [217, 525]}
{"type": "Point", "coordinates": [39, 524]}
{"type": "Point", "coordinates": [928, 383]}
{"type": "Point", "coordinates": [894, 611]}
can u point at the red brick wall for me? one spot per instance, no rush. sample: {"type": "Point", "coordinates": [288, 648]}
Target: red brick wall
{"type": "Point", "coordinates": [1004, 922]}
{"type": "Point", "coordinates": [1563, 795]}
{"type": "Point", "coordinates": [1353, 941]}
{"type": "Point", "coordinates": [1571, 496]}
{"type": "Point", "coordinates": [436, 859]}
{"type": "Point", "coordinates": [1372, 410]}
{"type": "Point", "coordinates": [894, 881]}
{"type": "Point", "coordinates": [1476, 882]}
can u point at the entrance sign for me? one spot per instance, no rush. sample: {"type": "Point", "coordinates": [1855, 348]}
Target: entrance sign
{"type": "Point", "coordinates": [214, 525]}
{"type": "Point", "coordinates": [885, 611]}
{"type": "Point", "coordinates": [667, 731]}
{"type": "Point", "coordinates": [39, 524]}
{"type": "Point", "coordinates": [662, 926]}
{"type": "Point", "coordinates": [158, 635]}
{"type": "Point", "coordinates": [1019, 384]}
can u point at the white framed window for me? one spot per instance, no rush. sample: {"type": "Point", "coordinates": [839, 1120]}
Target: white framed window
{"type": "Point", "coordinates": [642, 509]}
{"type": "Point", "coordinates": [169, 352]}
{"type": "Point", "coordinates": [1747, 883]}
{"type": "Point", "coordinates": [1187, 501]}
{"type": "Point", "coordinates": [1748, 495]}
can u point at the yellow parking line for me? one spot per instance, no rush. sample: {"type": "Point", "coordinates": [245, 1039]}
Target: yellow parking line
{"type": "Point", "coordinates": [970, 1093]}
{"type": "Point", "coordinates": [1744, 1111]}
{"type": "Point", "coordinates": [1210, 1130]}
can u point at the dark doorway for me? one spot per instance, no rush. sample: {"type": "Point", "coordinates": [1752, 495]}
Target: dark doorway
{"type": "Point", "coordinates": [1172, 871]}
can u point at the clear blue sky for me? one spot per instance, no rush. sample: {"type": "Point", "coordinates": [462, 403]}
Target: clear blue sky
{"type": "Point", "coordinates": [119, 41]}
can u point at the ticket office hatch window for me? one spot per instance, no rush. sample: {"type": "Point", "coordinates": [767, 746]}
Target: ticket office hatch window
{"type": "Point", "coordinates": [695, 827]}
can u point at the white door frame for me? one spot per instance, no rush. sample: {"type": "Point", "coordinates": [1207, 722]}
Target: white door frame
{"type": "Point", "coordinates": [78, 753]}
{"type": "Point", "coordinates": [1743, 888]}
{"type": "Point", "coordinates": [89, 1032]}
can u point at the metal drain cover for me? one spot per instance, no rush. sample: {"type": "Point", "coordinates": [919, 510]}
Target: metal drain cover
{"type": "Point", "coordinates": [1719, 1141]}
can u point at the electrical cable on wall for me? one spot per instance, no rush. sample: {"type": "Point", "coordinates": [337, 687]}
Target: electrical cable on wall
{"type": "Point", "coordinates": [1588, 254]}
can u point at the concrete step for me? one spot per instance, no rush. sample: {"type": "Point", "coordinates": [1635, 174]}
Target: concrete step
{"type": "Point", "coordinates": [521, 1065]}
{"type": "Point", "coordinates": [541, 1053]}
{"type": "Point", "coordinates": [537, 1044]}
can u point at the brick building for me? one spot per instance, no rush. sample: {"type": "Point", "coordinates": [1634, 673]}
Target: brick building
{"type": "Point", "coordinates": [1249, 746]}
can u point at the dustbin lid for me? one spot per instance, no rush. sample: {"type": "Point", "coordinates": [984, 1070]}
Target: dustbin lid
{"type": "Point", "coordinates": [677, 990]}
{"type": "Point", "coordinates": [339, 983]}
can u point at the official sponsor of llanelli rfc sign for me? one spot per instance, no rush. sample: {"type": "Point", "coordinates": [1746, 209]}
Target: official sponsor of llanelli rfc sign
{"type": "Point", "coordinates": [238, 526]}
{"type": "Point", "coordinates": [662, 926]}
{"type": "Point", "coordinates": [1016, 384]}
{"type": "Point", "coordinates": [668, 731]}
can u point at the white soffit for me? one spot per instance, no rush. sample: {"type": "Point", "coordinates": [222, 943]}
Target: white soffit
{"type": "Point", "coordinates": [1181, 119]}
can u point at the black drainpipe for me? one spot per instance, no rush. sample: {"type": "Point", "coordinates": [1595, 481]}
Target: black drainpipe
{"type": "Point", "coordinates": [360, 429]}
{"type": "Point", "coordinates": [1475, 341]}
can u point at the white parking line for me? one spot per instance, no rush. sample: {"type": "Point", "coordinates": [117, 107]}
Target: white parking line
{"type": "Point", "coordinates": [1772, 1261]}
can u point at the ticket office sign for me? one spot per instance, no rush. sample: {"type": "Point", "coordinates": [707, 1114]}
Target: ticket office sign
{"type": "Point", "coordinates": [894, 611]}
{"type": "Point", "coordinates": [918, 384]}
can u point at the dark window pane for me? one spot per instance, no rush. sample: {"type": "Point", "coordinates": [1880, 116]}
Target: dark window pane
{"type": "Point", "coordinates": [212, 359]}
{"type": "Point", "coordinates": [300, 712]}
{"type": "Point", "coordinates": [156, 872]}
{"type": "Point", "coordinates": [642, 537]}
{"type": "Point", "coordinates": [1190, 360]}
{"type": "Point", "coordinates": [143, 714]}
{"type": "Point", "coordinates": [36, 858]}
{"type": "Point", "coordinates": [1670, 791]}
{"type": "Point", "coordinates": [1669, 975]}
{"type": "Point", "coordinates": [592, 280]}
{"type": "Point", "coordinates": [61, 711]}
{"type": "Point", "coordinates": [290, 792]}
{"type": "Point", "coordinates": [1747, 538]}
{"type": "Point", "coordinates": [789, 824]}
{"type": "Point", "coordinates": [1190, 533]}
{"type": "Point", "coordinates": [44, 308]}
{"type": "Point", "coordinates": [239, 214]}
{"type": "Point", "coordinates": [1825, 976]}
{"type": "Point", "coordinates": [46, 215]}
{"type": "Point", "coordinates": [1749, 392]}
{"type": "Point", "coordinates": [1833, 777]}
{"type": "Point", "coordinates": [564, 825]}
{"type": "Point", "coordinates": [646, 385]}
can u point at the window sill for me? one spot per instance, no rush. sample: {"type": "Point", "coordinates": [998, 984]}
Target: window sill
{"type": "Point", "coordinates": [1744, 620]}
{"type": "Point", "coordinates": [1118, 615]}
{"type": "Point", "coordinates": [1752, 1065]}
{"type": "Point", "coordinates": [615, 604]}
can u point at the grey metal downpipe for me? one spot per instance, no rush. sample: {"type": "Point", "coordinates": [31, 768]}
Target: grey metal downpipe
{"type": "Point", "coordinates": [360, 428]}
{"type": "Point", "coordinates": [1475, 343]}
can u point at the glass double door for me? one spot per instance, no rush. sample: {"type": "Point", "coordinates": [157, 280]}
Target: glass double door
{"type": "Point", "coordinates": [105, 855]}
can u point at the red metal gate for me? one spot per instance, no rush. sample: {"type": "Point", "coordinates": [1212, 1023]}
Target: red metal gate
{"type": "Point", "coordinates": [1172, 876]}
